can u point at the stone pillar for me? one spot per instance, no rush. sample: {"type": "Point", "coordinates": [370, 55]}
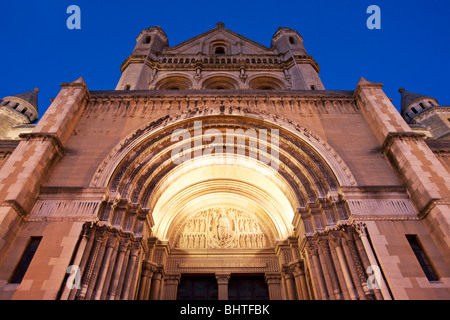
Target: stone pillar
{"type": "Point", "coordinates": [300, 280]}
{"type": "Point", "coordinates": [111, 242]}
{"type": "Point", "coordinates": [135, 248]}
{"type": "Point", "coordinates": [317, 273]}
{"type": "Point", "coordinates": [171, 282]}
{"type": "Point", "coordinates": [418, 168]}
{"type": "Point", "coordinates": [85, 235]}
{"type": "Point", "coordinates": [274, 284]}
{"type": "Point", "coordinates": [222, 285]}
{"type": "Point", "coordinates": [115, 278]}
{"type": "Point", "coordinates": [325, 253]}
{"type": "Point", "coordinates": [290, 285]}
{"type": "Point", "coordinates": [146, 278]}
{"type": "Point", "coordinates": [335, 239]}
{"type": "Point", "coordinates": [100, 234]}
{"type": "Point", "coordinates": [156, 284]}
{"type": "Point", "coordinates": [361, 228]}
{"type": "Point", "coordinates": [32, 160]}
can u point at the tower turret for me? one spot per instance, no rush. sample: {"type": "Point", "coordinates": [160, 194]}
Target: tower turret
{"type": "Point", "coordinates": [418, 109]}
{"type": "Point", "coordinates": [303, 69]}
{"type": "Point", "coordinates": [17, 113]}
{"type": "Point", "coordinates": [136, 70]}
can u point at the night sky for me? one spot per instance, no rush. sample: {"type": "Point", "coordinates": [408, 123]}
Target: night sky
{"type": "Point", "coordinates": [411, 50]}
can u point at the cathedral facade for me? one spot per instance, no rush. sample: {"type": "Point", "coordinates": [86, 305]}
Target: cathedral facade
{"type": "Point", "coordinates": [220, 168]}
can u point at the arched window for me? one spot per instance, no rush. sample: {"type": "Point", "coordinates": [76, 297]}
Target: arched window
{"type": "Point", "coordinates": [174, 83]}
{"type": "Point", "coordinates": [147, 39]}
{"type": "Point", "coordinates": [127, 87]}
{"type": "Point", "coordinates": [291, 40]}
{"type": "Point", "coordinates": [220, 83]}
{"type": "Point", "coordinates": [219, 50]}
{"type": "Point", "coordinates": [266, 83]}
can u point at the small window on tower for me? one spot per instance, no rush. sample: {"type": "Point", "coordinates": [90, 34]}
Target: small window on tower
{"type": "Point", "coordinates": [422, 106]}
{"type": "Point", "coordinates": [313, 87]}
{"type": "Point", "coordinates": [127, 87]}
{"type": "Point", "coordinates": [219, 50]}
{"type": "Point", "coordinates": [414, 110]}
{"type": "Point", "coordinates": [25, 261]}
{"type": "Point", "coordinates": [422, 258]}
{"type": "Point", "coordinates": [291, 40]}
{"type": "Point", "coordinates": [148, 39]}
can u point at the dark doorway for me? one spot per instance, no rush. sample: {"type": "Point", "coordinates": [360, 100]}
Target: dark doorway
{"type": "Point", "coordinates": [247, 288]}
{"type": "Point", "coordinates": [197, 288]}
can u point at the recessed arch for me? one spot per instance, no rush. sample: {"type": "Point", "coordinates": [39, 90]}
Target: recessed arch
{"type": "Point", "coordinates": [174, 82]}
{"type": "Point", "coordinates": [264, 82]}
{"type": "Point", "coordinates": [307, 173]}
{"type": "Point", "coordinates": [220, 82]}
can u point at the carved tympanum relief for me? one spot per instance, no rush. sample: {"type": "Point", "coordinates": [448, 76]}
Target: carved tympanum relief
{"type": "Point", "coordinates": [223, 228]}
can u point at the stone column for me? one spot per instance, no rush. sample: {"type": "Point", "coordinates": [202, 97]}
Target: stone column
{"type": "Point", "coordinates": [325, 249]}
{"type": "Point", "coordinates": [156, 284]}
{"type": "Point", "coordinates": [171, 282]}
{"type": "Point", "coordinates": [361, 228]}
{"type": "Point", "coordinates": [135, 248]}
{"type": "Point", "coordinates": [300, 280]}
{"type": "Point", "coordinates": [112, 238]}
{"type": "Point", "coordinates": [222, 285]}
{"type": "Point", "coordinates": [290, 285]}
{"type": "Point", "coordinates": [123, 248]}
{"type": "Point", "coordinates": [274, 284]}
{"type": "Point", "coordinates": [88, 273]}
{"type": "Point", "coordinates": [87, 227]}
{"type": "Point", "coordinates": [336, 240]}
{"type": "Point", "coordinates": [146, 275]}
{"type": "Point", "coordinates": [318, 279]}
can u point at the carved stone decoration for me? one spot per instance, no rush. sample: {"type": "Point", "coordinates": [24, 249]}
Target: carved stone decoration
{"type": "Point", "coordinates": [222, 228]}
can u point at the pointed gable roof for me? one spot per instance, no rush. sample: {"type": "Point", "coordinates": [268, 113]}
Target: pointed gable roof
{"type": "Point", "coordinates": [31, 97]}
{"type": "Point", "coordinates": [219, 33]}
{"type": "Point", "coordinates": [410, 97]}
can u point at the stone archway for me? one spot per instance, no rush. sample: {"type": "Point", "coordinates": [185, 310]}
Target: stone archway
{"type": "Point", "coordinates": [177, 205]}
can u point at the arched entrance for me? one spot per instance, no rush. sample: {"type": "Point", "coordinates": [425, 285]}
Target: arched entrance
{"type": "Point", "coordinates": [232, 197]}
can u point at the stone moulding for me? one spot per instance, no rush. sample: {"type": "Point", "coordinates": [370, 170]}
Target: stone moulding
{"type": "Point", "coordinates": [379, 203]}
{"type": "Point", "coordinates": [75, 204]}
{"type": "Point", "coordinates": [334, 161]}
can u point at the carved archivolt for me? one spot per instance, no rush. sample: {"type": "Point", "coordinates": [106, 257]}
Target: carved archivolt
{"type": "Point", "coordinates": [224, 228]}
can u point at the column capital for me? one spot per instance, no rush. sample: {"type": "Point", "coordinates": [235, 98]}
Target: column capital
{"type": "Point", "coordinates": [272, 277]}
{"type": "Point", "coordinates": [361, 228]}
{"type": "Point", "coordinates": [223, 278]}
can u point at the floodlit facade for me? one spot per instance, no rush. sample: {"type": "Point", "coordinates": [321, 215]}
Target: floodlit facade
{"type": "Point", "coordinates": [220, 168]}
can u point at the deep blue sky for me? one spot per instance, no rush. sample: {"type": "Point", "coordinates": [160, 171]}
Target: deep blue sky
{"type": "Point", "coordinates": [411, 50]}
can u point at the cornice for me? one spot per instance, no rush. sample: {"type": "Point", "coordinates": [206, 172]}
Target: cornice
{"type": "Point", "coordinates": [44, 136]}
{"type": "Point", "coordinates": [392, 136]}
{"type": "Point", "coordinates": [215, 62]}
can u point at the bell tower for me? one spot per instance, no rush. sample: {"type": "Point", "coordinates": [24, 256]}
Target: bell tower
{"type": "Point", "coordinates": [302, 68]}
{"type": "Point", "coordinates": [137, 69]}
{"type": "Point", "coordinates": [18, 113]}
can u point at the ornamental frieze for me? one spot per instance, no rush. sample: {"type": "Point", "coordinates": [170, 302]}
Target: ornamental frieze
{"type": "Point", "coordinates": [223, 228]}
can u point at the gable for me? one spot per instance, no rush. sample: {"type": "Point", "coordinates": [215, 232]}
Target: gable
{"type": "Point", "coordinates": [229, 41]}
